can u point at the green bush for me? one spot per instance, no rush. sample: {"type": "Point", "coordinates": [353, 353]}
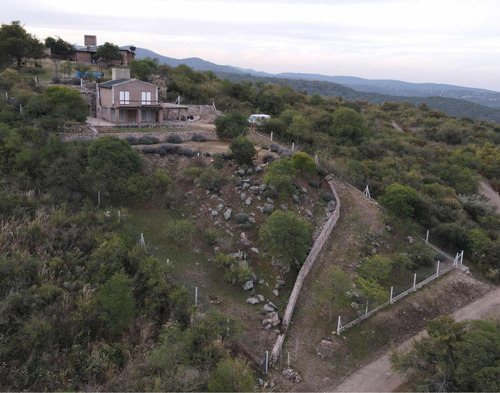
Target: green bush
{"type": "Point", "coordinates": [232, 375]}
{"type": "Point", "coordinates": [241, 218]}
{"type": "Point", "coordinates": [231, 125]}
{"type": "Point", "coordinates": [243, 150]}
{"type": "Point", "coordinates": [174, 138]}
{"type": "Point", "coordinates": [239, 272]}
{"type": "Point", "coordinates": [180, 230]}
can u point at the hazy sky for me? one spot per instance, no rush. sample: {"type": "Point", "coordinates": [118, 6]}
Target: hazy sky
{"type": "Point", "coordinates": [441, 41]}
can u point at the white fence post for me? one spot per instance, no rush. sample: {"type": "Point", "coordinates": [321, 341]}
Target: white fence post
{"type": "Point", "coordinates": [196, 296]}
{"type": "Point", "coordinates": [339, 326]}
{"type": "Point", "coordinates": [366, 192]}
{"type": "Point", "coordinates": [142, 242]}
{"type": "Point", "coordinates": [437, 270]}
{"type": "Point", "coordinates": [271, 136]}
{"type": "Point", "coordinates": [267, 360]}
{"type": "Point", "coordinates": [414, 281]}
{"type": "Point", "coordinates": [392, 290]}
{"type": "Point", "coordinates": [427, 237]}
{"type": "Point", "coordinates": [462, 257]}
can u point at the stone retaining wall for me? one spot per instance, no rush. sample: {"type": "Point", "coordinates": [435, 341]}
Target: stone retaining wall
{"type": "Point", "coordinates": [304, 271]}
{"type": "Point", "coordinates": [162, 136]}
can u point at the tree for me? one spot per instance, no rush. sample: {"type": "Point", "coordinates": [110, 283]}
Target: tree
{"type": "Point", "coordinates": [376, 267]}
{"type": "Point", "coordinates": [112, 160]}
{"type": "Point", "coordinates": [286, 236]}
{"type": "Point", "coordinates": [303, 162]}
{"type": "Point", "coordinates": [58, 102]}
{"type": "Point", "coordinates": [16, 43]}
{"type": "Point", "coordinates": [232, 375]}
{"type": "Point", "coordinates": [108, 52]}
{"type": "Point", "coordinates": [279, 177]}
{"type": "Point", "coordinates": [143, 68]}
{"type": "Point", "coordinates": [59, 48]}
{"type": "Point", "coordinates": [400, 200]}
{"type": "Point", "coordinates": [212, 179]}
{"type": "Point", "coordinates": [455, 356]}
{"type": "Point", "coordinates": [116, 303]}
{"type": "Point", "coordinates": [348, 126]}
{"type": "Point", "coordinates": [231, 125]}
{"type": "Point", "coordinates": [334, 287]}
{"type": "Point", "coordinates": [243, 150]}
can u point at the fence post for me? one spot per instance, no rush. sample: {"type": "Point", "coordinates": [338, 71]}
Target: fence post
{"type": "Point", "coordinates": [427, 237]}
{"type": "Point", "coordinates": [142, 242]}
{"type": "Point", "coordinates": [196, 296]}
{"type": "Point", "coordinates": [339, 326]}
{"type": "Point", "coordinates": [267, 360]}
{"type": "Point", "coordinates": [271, 138]}
{"type": "Point", "coordinates": [293, 146]}
{"type": "Point", "coordinates": [98, 198]}
{"type": "Point", "coordinates": [366, 309]}
{"type": "Point", "coordinates": [437, 270]}
{"type": "Point", "coordinates": [392, 290]}
{"type": "Point", "coordinates": [415, 281]}
{"type": "Point", "coordinates": [119, 215]}
{"type": "Point", "coordinates": [288, 360]}
{"type": "Point", "coordinates": [462, 257]}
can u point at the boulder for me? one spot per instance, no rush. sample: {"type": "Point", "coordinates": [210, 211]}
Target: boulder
{"type": "Point", "coordinates": [284, 208]}
{"type": "Point", "coordinates": [258, 169]}
{"type": "Point", "coordinates": [296, 199]}
{"type": "Point", "coordinates": [243, 196]}
{"type": "Point", "coordinates": [255, 250]}
{"type": "Point", "coordinates": [244, 239]}
{"type": "Point", "coordinates": [249, 171]}
{"type": "Point", "coordinates": [240, 172]}
{"type": "Point", "coordinates": [248, 285]}
{"type": "Point", "coordinates": [254, 190]}
{"type": "Point", "coordinates": [227, 214]}
{"type": "Point", "coordinates": [248, 201]}
{"type": "Point", "coordinates": [253, 300]}
{"type": "Point", "coordinates": [215, 213]}
{"type": "Point", "coordinates": [268, 208]}
{"type": "Point", "coordinates": [260, 297]}
{"type": "Point", "coordinates": [266, 309]}
{"type": "Point", "coordinates": [245, 186]}
{"type": "Point", "coordinates": [275, 292]}
{"type": "Point", "coordinates": [308, 213]}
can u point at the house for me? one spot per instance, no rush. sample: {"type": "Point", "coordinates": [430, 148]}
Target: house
{"type": "Point", "coordinates": [86, 53]}
{"type": "Point", "coordinates": [123, 100]}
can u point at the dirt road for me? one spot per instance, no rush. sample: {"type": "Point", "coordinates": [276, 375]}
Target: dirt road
{"type": "Point", "coordinates": [378, 376]}
{"type": "Point", "coordinates": [491, 194]}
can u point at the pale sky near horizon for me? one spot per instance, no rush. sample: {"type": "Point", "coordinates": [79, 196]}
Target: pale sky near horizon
{"type": "Point", "coordinates": [439, 41]}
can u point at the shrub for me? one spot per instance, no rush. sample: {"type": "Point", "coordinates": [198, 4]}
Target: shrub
{"type": "Point", "coordinates": [132, 140]}
{"type": "Point", "coordinates": [231, 125]}
{"type": "Point", "coordinates": [314, 184]}
{"type": "Point", "coordinates": [287, 235]}
{"type": "Point", "coordinates": [149, 150]}
{"type": "Point", "coordinates": [174, 138]}
{"type": "Point", "coordinates": [268, 158]}
{"type": "Point", "coordinates": [199, 138]}
{"type": "Point", "coordinates": [328, 196]}
{"type": "Point", "coordinates": [232, 375]}
{"type": "Point", "coordinates": [186, 151]}
{"type": "Point", "coordinates": [180, 231]}
{"type": "Point", "coordinates": [239, 272]}
{"type": "Point", "coordinates": [241, 218]}
{"type": "Point", "coordinates": [243, 150]}
{"type": "Point", "coordinates": [274, 147]}
{"type": "Point", "coordinates": [224, 260]}
{"type": "Point", "coordinates": [148, 140]}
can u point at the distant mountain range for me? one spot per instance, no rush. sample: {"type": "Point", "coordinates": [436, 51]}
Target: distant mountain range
{"type": "Point", "coordinates": [454, 100]}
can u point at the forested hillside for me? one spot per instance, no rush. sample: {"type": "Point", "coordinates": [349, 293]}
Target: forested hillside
{"type": "Point", "coordinates": [85, 307]}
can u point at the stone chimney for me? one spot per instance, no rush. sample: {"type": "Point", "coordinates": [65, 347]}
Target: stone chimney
{"type": "Point", "coordinates": [90, 40]}
{"type": "Point", "coordinates": [120, 73]}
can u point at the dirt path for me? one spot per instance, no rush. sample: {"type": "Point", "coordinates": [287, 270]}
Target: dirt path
{"type": "Point", "coordinates": [378, 376]}
{"type": "Point", "coordinates": [491, 194]}
{"type": "Point", "coordinates": [397, 126]}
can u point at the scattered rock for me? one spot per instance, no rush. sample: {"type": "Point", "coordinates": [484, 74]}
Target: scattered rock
{"type": "Point", "coordinates": [354, 305]}
{"type": "Point", "coordinates": [331, 206]}
{"type": "Point", "coordinates": [327, 348]}
{"type": "Point", "coordinates": [416, 306]}
{"type": "Point", "coordinates": [267, 308]}
{"type": "Point", "coordinates": [244, 239]}
{"type": "Point", "coordinates": [245, 186]}
{"type": "Point", "coordinates": [240, 172]}
{"type": "Point", "coordinates": [227, 214]}
{"type": "Point", "coordinates": [215, 213]}
{"type": "Point", "coordinates": [255, 250]}
{"type": "Point", "coordinates": [254, 190]}
{"type": "Point", "coordinates": [253, 300]}
{"type": "Point", "coordinates": [272, 319]}
{"type": "Point", "coordinates": [275, 292]}
{"type": "Point", "coordinates": [258, 169]}
{"type": "Point", "coordinates": [272, 305]}
{"type": "Point", "coordinates": [260, 297]}
{"type": "Point", "coordinates": [411, 240]}
{"type": "Point", "coordinates": [284, 208]}
{"type": "Point", "coordinates": [243, 196]}
{"type": "Point", "coordinates": [248, 285]}
{"type": "Point", "coordinates": [308, 213]}
{"type": "Point", "coordinates": [248, 201]}
{"type": "Point", "coordinates": [252, 220]}
{"type": "Point", "coordinates": [249, 171]}
{"type": "Point", "coordinates": [280, 282]}
{"type": "Point", "coordinates": [268, 209]}
{"type": "Point", "coordinates": [292, 375]}
{"type": "Point", "coordinates": [296, 199]}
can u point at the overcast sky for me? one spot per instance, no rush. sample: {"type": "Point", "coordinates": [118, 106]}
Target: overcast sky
{"type": "Point", "coordinates": [440, 41]}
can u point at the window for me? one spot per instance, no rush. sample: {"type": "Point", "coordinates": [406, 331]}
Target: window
{"type": "Point", "coordinates": [124, 97]}
{"type": "Point", "coordinates": [146, 98]}
{"type": "Point", "coordinates": [147, 115]}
